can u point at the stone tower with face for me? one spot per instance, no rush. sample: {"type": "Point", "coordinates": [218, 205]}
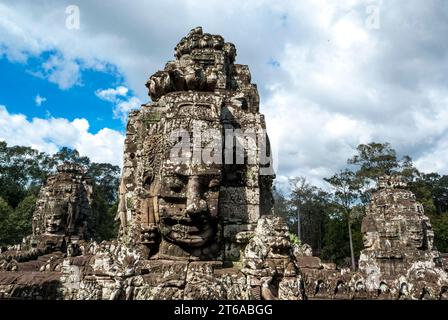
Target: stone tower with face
{"type": "Point", "coordinates": [63, 209]}
{"type": "Point", "coordinates": [396, 232]}
{"type": "Point", "coordinates": [197, 166]}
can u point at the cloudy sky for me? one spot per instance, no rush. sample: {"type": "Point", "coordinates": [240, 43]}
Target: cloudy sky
{"type": "Point", "coordinates": [331, 74]}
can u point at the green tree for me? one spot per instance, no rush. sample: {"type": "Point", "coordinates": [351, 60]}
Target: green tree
{"type": "Point", "coordinates": [423, 188]}
{"type": "Point", "coordinates": [309, 206]}
{"type": "Point", "coordinates": [376, 159]}
{"type": "Point", "coordinates": [336, 246]}
{"type": "Point", "coordinates": [108, 226]}
{"type": "Point", "coordinates": [22, 170]}
{"type": "Point", "coordinates": [346, 197]}
{"type": "Point", "coordinates": [21, 218]}
{"type": "Point", "coordinates": [106, 178]}
{"type": "Point", "coordinates": [6, 231]}
{"type": "Point", "coordinates": [68, 155]}
{"type": "Point", "coordinates": [432, 191]}
{"type": "Point", "coordinates": [440, 226]}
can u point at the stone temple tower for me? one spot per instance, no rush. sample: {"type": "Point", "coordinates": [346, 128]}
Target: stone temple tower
{"type": "Point", "coordinates": [197, 165]}
{"type": "Point", "coordinates": [398, 242]}
{"type": "Point", "coordinates": [63, 210]}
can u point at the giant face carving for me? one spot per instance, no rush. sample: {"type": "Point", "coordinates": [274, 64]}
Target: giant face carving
{"type": "Point", "coordinates": [415, 233]}
{"type": "Point", "coordinates": [188, 204]}
{"type": "Point", "coordinates": [55, 217]}
{"type": "Point", "coordinates": [189, 190]}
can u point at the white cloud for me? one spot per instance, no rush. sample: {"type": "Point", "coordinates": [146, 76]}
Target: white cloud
{"type": "Point", "coordinates": [49, 135]}
{"type": "Point", "coordinates": [65, 73]}
{"type": "Point", "coordinates": [316, 142]}
{"type": "Point", "coordinates": [435, 159]}
{"type": "Point", "coordinates": [112, 94]}
{"type": "Point", "coordinates": [28, 30]}
{"type": "Point", "coordinates": [351, 87]}
{"type": "Point", "coordinates": [122, 103]}
{"type": "Point", "coordinates": [122, 109]}
{"type": "Point", "coordinates": [38, 100]}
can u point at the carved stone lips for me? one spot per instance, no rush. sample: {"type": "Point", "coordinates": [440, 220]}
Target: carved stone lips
{"type": "Point", "coordinates": [186, 221]}
{"type": "Point", "coordinates": [181, 228]}
{"type": "Point", "coordinates": [53, 227]}
{"type": "Point", "coordinates": [184, 230]}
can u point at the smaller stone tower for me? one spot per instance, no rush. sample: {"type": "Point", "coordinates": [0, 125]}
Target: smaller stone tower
{"type": "Point", "coordinates": [63, 210]}
{"type": "Point", "coordinates": [398, 240]}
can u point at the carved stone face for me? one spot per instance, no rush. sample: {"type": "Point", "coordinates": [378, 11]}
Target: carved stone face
{"type": "Point", "coordinates": [55, 217]}
{"type": "Point", "coordinates": [188, 205]}
{"type": "Point", "coordinates": [415, 233]}
{"type": "Point", "coordinates": [369, 238]}
{"type": "Point", "coordinates": [369, 232]}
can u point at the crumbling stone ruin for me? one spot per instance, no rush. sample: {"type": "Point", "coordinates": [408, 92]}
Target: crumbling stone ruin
{"type": "Point", "coordinates": [399, 257]}
{"type": "Point", "coordinates": [196, 210]}
{"type": "Point", "coordinates": [63, 210]}
{"type": "Point", "coordinates": [62, 222]}
{"type": "Point", "coordinates": [399, 260]}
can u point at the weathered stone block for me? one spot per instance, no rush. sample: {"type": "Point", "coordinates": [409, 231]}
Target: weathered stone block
{"type": "Point", "coordinates": [309, 262]}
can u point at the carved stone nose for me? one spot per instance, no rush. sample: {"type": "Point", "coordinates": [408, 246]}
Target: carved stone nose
{"type": "Point", "coordinates": [195, 205]}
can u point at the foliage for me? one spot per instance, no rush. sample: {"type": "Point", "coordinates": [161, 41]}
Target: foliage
{"type": "Point", "coordinates": [336, 246]}
{"type": "Point", "coordinates": [21, 218]}
{"type": "Point", "coordinates": [347, 193]}
{"type": "Point", "coordinates": [294, 239]}
{"type": "Point", "coordinates": [440, 225]}
{"type": "Point", "coordinates": [281, 205]}
{"type": "Point", "coordinates": [106, 224]}
{"type": "Point", "coordinates": [106, 179]}
{"type": "Point", "coordinates": [311, 204]}
{"type": "Point", "coordinates": [375, 159]}
{"type": "Point", "coordinates": [5, 225]}
{"type": "Point", "coordinates": [432, 191]}
{"type": "Point", "coordinates": [22, 170]}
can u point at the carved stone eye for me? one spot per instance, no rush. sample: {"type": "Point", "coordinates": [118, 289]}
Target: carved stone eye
{"type": "Point", "coordinates": [177, 185]}
{"type": "Point", "coordinates": [213, 184]}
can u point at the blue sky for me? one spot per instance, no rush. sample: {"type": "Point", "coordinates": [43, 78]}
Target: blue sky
{"type": "Point", "coordinates": [331, 74]}
{"type": "Point", "coordinates": [79, 101]}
